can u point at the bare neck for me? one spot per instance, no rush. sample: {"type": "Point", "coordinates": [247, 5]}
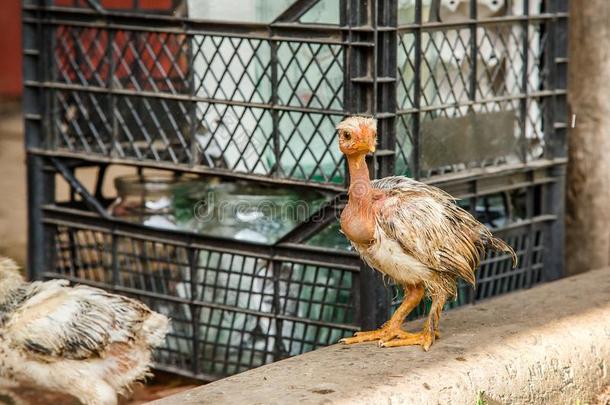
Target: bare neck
{"type": "Point", "coordinates": [360, 182]}
{"type": "Point", "coordinates": [358, 217]}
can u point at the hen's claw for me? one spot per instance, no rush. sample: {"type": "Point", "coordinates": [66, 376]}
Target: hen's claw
{"type": "Point", "coordinates": [385, 333]}
{"type": "Point", "coordinates": [424, 339]}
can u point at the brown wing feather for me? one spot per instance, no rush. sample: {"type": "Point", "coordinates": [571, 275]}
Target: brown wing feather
{"type": "Point", "coordinates": [429, 226]}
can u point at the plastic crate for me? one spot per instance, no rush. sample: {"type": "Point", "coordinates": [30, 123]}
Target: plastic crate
{"type": "Point", "coordinates": [471, 99]}
{"type": "Point", "coordinates": [233, 307]}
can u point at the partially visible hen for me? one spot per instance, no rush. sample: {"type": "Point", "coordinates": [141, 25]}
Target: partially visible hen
{"type": "Point", "coordinates": [78, 340]}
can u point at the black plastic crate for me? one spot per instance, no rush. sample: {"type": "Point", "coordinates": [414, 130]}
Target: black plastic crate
{"type": "Point", "coordinates": [262, 99]}
{"type": "Point", "coordinates": [472, 101]}
{"type": "Point", "coordinates": [237, 305]}
{"type": "Point", "coordinates": [233, 306]}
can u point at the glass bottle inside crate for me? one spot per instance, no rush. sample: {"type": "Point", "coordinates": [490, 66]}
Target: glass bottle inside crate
{"type": "Point", "coordinates": [149, 199]}
{"type": "Point", "coordinates": [253, 212]}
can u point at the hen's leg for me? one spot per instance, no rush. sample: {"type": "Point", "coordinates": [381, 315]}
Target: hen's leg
{"type": "Point", "coordinates": [392, 328]}
{"type": "Point", "coordinates": [426, 337]}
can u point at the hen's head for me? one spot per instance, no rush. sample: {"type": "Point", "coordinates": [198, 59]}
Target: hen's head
{"type": "Point", "coordinates": [357, 135]}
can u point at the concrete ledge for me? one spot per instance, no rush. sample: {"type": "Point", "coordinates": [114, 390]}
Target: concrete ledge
{"type": "Point", "coordinates": [549, 344]}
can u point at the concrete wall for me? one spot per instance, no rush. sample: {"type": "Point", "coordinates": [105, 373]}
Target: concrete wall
{"type": "Point", "coordinates": [546, 345]}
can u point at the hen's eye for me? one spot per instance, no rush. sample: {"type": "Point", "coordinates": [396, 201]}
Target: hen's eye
{"type": "Point", "coordinates": [347, 136]}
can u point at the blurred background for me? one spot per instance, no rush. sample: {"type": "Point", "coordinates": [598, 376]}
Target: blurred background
{"type": "Point", "coordinates": [12, 154]}
{"type": "Point", "coordinates": [514, 112]}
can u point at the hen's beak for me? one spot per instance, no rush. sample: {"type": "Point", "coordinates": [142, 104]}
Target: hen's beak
{"type": "Point", "coordinates": [372, 144]}
{"type": "Point", "coordinates": [367, 147]}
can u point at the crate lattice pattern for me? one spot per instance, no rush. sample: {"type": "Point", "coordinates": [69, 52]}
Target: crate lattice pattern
{"type": "Point", "coordinates": [241, 103]}
{"type": "Point", "coordinates": [241, 311]}
{"type": "Point", "coordinates": [213, 131]}
{"type": "Point", "coordinates": [231, 126]}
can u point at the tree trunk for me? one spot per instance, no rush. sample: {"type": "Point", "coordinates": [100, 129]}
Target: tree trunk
{"type": "Point", "coordinates": [588, 180]}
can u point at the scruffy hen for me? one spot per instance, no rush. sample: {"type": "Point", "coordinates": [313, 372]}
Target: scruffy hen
{"type": "Point", "coordinates": [412, 232]}
{"type": "Point", "coordinates": [78, 340]}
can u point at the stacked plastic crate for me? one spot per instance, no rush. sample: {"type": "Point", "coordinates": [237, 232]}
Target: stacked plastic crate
{"type": "Point", "coordinates": [468, 95]}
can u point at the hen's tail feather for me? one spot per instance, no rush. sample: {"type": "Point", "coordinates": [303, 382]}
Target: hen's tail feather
{"type": "Point", "coordinates": [7, 264]}
{"type": "Point", "coordinates": [500, 246]}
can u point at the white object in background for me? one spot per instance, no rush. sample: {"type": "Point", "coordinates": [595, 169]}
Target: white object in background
{"type": "Point", "coordinates": [499, 53]}
{"type": "Point", "coordinates": [238, 69]}
{"type": "Point", "coordinates": [227, 137]}
{"type": "Point", "coordinates": [451, 5]}
{"type": "Point", "coordinates": [533, 124]}
{"type": "Point", "coordinates": [451, 55]}
{"type": "Point", "coordinates": [249, 235]}
{"type": "Point", "coordinates": [459, 10]}
{"type": "Point", "coordinates": [493, 5]}
{"type": "Point", "coordinates": [160, 221]}
{"type": "Point", "coordinates": [161, 203]}
{"type": "Point", "coordinates": [224, 71]}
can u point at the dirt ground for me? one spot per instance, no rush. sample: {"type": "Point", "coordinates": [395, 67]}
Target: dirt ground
{"type": "Point", "coordinates": [13, 243]}
{"type": "Point", "coordinates": [13, 214]}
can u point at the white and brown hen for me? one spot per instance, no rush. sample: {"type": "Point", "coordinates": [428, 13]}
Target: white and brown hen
{"type": "Point", "coordinates": [412, 232]}
{"type": "Point", "coordinates": [78, 340]}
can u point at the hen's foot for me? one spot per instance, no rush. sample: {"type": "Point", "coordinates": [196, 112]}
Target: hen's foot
{"type": "Point", "coordinates": [382, 334]}
{"type": "Point", "coordinates": [424, 339]}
